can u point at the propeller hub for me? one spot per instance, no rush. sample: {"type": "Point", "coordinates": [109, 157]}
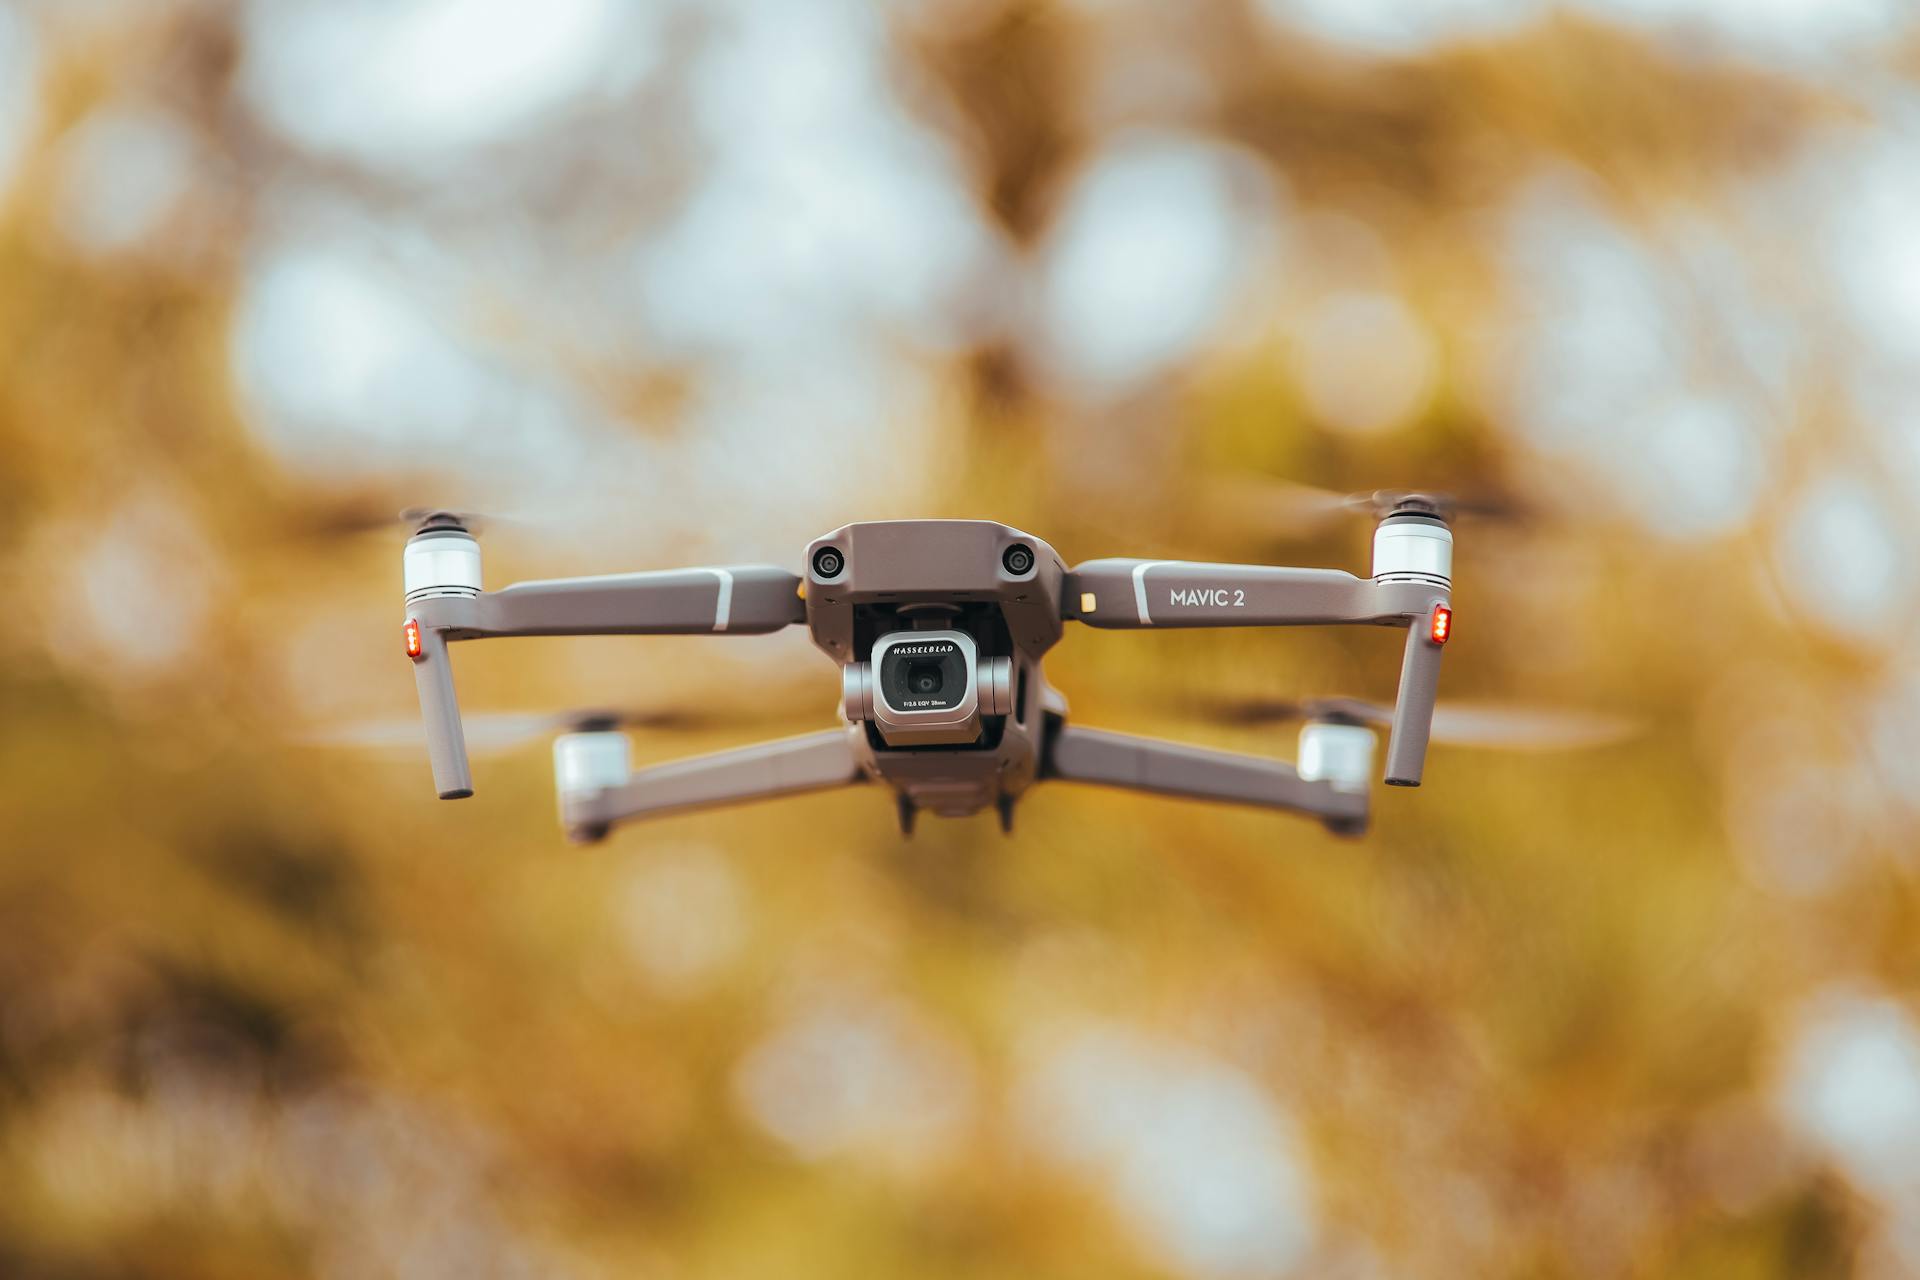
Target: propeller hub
{"type": "Point", "coordinates": [1416, 504]}
{"type": "Point", "coordinates": [429, 521]}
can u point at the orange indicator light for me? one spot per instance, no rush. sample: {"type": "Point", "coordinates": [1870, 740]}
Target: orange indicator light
{"type": "Point", "coordinates": [1442, 623]}
{"type": "Point", "coordinates": [414, 647]}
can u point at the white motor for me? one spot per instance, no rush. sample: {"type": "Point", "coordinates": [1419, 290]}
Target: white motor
{"type": "Point", "coordinates": [595, 761]}
{"type": "Point", "coordinates": [441, 561]}
{"type": "Point", "coordinates": [1341, 754]}
{"type": "Point", "coordinates": [1409, 547]}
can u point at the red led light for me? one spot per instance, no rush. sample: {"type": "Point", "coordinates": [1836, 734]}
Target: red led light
{"type": "Point", "coordinates": [414, 647]}
{"type": "Point", "coordinates": [1442, 623]}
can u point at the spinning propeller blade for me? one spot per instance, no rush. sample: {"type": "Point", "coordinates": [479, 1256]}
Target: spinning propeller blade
{"type": "Point", "coordinates": [1499, 725]}
{"type": "Point", "coordinates": [364, 513]}
{"type": "Point", "coordinates": [502, 731]}
{"type": "Point", "coordinates": [485, 733]}
{"type": "Point", "coordinates": [1283, 503]}
{"type": "Point", "coordinates": [472, 521]}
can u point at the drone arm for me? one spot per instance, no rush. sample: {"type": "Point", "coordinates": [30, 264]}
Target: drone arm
{"type": "Point", "coordinates": [1134, 594]}
{"type": "Point", "coordinates": [788, 766]}
{"type": "Point", "coordinates": [1198, 773]}
{"type": "Point", "coordinates": [446, 741]}
{"type": "Point", "coordinates": [742, 600]}
{"type": "Point", "coordinates": [1413, 707]}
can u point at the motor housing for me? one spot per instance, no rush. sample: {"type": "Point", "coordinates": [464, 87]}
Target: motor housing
{"type": "Point", "coordinates": [1413, 547]}
{"type": "Point", "coordinates": [441, 561]}
{"type": "Point", "coordinates": [1341, 754]}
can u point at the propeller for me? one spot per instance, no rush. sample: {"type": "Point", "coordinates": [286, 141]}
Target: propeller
{"type": "Point", "coordinates": [418, 518]}
{"type": "Point", "coordinates": [491, 733]}
{"type": "Point", "coordinates": [1498, 725]}
{"type": "Point", "coordinates": [364, 512]}
{"type": "Point", "coordinates": [1266, 503]}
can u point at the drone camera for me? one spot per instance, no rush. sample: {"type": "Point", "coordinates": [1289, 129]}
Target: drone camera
{"type": "Point", "coordinates": [927, 688]}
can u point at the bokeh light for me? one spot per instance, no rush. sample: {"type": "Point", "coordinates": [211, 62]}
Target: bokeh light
{"type": "Point", "coordinates": [665, 283]}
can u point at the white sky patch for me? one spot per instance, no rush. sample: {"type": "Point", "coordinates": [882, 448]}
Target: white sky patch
{"type": "Point", "coordinates": [1199, 1162]}
{"type": "Point", "coordinates": [19, 91]}
{"type": "Point", "coordinates": [1399, 26]}
{"type": "Point", "coordinates": [796, 67]}
{"type": "Point", "coordinates": [682, 914]}
{"type": "Point", "coordinates": [1145, 256]}
{"type": "Point", "coordinates": [1870, 240]}
{"type": "Point", "coordinates": [858, 1074]}
{"type": "Point", "coordinates": [344, 368]}
{"type": "Point", "coordinates": [394, 82]}
{"type": "Point", "coordinates": [1838, 555]}
{"type": "Point", "coordinates": [1364, 361]}
{"type": "Point", "coordinates": [1692, 467]}
{"type": "Point", "coordinates": [122, 172]}
{"type": "Point", "coordinates": [848, 434]}
{"type": "Point", "coordinates": [1592, 332]}
{"type": "Point", "coordinates": [824, 210]}
{"type": "Point", "coordinates": [324, 338]}
{"type": "Point", "coordinates": [1599, 364]}
{"type": "Point", "coordinates": [786, 248]}
{"type": "Point", "coordinates": [1850, 1084]}
{"type": "Point", "coordinates": [824, 240]}
{"type": "Point", "coordinates": [1804, 34]}
{"type": "Point", "coordinates": [135, 592]}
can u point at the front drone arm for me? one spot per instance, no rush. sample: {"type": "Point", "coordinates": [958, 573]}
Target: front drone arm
{"type": "Point", "coordinates": [1198, 773]}
{"type": "Point", "coordinates": [743, 600]}
{"type": "Point", "coordinates": [1135, 594]}
{"type": "Point", "coordinates": [789, 766]}
{"type": "Point", "coordinates": [1132, 594]}
{"type": "Point", "coordinates": [446, 604]}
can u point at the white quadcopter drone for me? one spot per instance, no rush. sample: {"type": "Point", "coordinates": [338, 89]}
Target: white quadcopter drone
{"type": "Point", "coordinates": [939, 628]}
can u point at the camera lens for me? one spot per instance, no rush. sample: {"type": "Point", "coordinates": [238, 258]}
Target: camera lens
{"type": "Point", "coordinates": [920, 673]}
{"type": "Point", "coordinates": [1018, 558]}
{"type": "Point", "coordinates": [827, 562]}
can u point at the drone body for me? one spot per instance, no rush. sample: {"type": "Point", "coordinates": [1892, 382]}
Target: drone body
{"type": "Point", "coordinates": [940, 628]}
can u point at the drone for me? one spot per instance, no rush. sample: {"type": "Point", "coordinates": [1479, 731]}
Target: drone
{"type": "Point", "coordinates": [940, 629]}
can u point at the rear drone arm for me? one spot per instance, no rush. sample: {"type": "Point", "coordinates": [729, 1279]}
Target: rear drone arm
{"type": "Point", "coordinates": [445, 603]}
{"type": "Point", "coordinates": [1137, 594]}
{"type": "Point", "coordinates": [789, 766]}
{"type": "Point", "coordinates": [1197, 773]}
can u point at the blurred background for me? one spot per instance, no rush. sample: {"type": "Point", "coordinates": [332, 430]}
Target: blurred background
{"type": "Point", "coordinates": [676, 282]}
